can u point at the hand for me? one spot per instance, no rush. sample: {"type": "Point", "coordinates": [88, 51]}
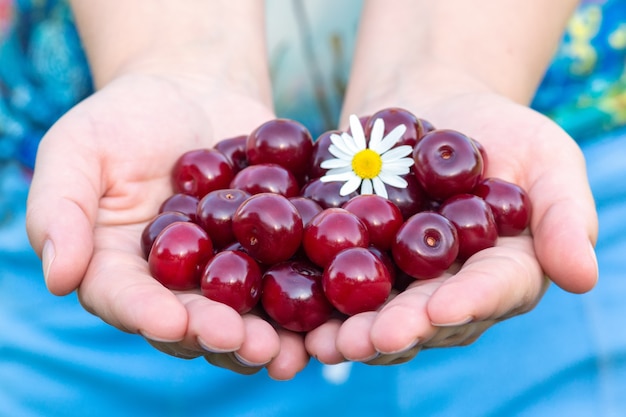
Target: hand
{"type": "Point", "coordinates": [101, 173]}
{"type": "Point", "coordinates": [498, 283]}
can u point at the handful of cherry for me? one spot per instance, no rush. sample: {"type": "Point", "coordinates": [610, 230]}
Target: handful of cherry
{"type": "Point", "coordinates": [274, 220]}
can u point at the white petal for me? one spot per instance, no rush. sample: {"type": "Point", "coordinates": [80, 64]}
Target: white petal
{"type": "Point", "coordinates": [350, 186]}
{"type": "Point", "coordinates": [393, 180]}
{"type": "Point", "coordinates": [366, 186]}
{"type": "Point", "coordinates": [339, 154]}
{"type": "Point", "coordinates": [391, 139]}
{"type": "Point", "coordinates": [357, 132]}
{"type": "Point", "coordinates": [397, 153]}
{"type": "Point", "coordinates": [344, 143]}
{"type": "Point", "coordinates": [335, 163]}
{"type": "Point", "coordinates": [346, 176]}
{"type": "Point", "coordinates": [402, 162]}
{"type": "Point", "coordinates": [376, 134]}
{"type": "Point", "coordinates": [342, 170]}
{"type": "Point", "coordinates": [379, 187]}
{"type": "Point", "coordinates": [351, 143]}
{"type": "Point", "coordinates": [396, 169]}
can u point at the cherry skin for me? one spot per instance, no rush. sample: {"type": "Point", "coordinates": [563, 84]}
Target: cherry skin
{"type": "Point", "coordinates": [426, 245]}
{"type": "Point", "coordinates": [182, 203]}
{"type": "Point", "coordinates": [447, 163]}
{"type": "Point", "coordinates": [306, 207]}
{"type": "Point", "coordinates": [356, 280]}
{"type": "Point", "coordinates": [393, 117]}
{"type": "Point", "coordinates": [234, 149]}
{"type": "Point", "coordinates": [269, 227]}
{"type": "Point", "coordinates": [320, 153]}
{"type": "Point", "coordinates": [232, 278]}
{"type": "Point", "coordinates": [330, 232]}
{"type": "Point", "coordinates": [283, 142]}
{"type": "Point", "coordinates": [200, 171]}
{"type": "Point", "coordinates": [156, 225]}
{"type": "Point", "coordinates": [474, 222]}
{"type": "Point", "coordinates": [326, 194]}
{"type": "Point", "coordinates": [292, 296]}
{"type": "Point", "coordinates": [381, 217]}
{"type": "Point", "coordinates": [179, 254]}
{"type": "Point", "coordinates": [215, 213]}
{"type": "Point", "coordinates": [409, 200]}
{"type": "Point", "coordinates": [509, 203]}
{"type": "Point", "coordinates": [266, 178]}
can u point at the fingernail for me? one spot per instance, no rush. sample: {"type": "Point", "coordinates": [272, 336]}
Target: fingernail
{"type": "Point", "coordinates": [246, 362]}
{"type": "Point", "coordinates": [594, 257]}
{"type": "Point", "coordinates": [158, 339]}
{"type": "Point", "coordinates": [402, 350]}
{"type": "Point", "coordinates": [47, 257]}
{"type": "Point", "coordinates": [461, 322]}
{"type": "Point", "coordinates": [211, 349]}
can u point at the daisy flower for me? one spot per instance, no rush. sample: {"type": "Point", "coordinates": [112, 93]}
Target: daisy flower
{"type": "Point", "coordinates": [369, 166]}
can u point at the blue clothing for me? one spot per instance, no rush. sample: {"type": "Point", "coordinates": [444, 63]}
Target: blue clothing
{"type": "Point", "coordinates": [566, 357]}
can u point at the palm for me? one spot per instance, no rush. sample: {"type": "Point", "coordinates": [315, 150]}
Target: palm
{"type": "Point", "coordinates": [500, 282]}
{"type": "Point", "coordinates": [117, 149]}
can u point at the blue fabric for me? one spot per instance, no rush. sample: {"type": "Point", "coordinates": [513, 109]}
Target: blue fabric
{"type": "Point", "coordinates": [566, 357]}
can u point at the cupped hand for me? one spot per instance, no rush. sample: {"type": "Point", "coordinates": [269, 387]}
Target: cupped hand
{"type": "Point", "coordinates": [101, 173]}
{"type": "Point", "coordinates": [523, 147]}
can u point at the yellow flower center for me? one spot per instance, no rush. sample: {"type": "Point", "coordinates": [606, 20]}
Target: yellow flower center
{"type": "Point", "coordinates": [367, 164]}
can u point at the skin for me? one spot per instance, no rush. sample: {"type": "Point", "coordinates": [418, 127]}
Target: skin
{"type": "Point", "coordinates": [181, 81]}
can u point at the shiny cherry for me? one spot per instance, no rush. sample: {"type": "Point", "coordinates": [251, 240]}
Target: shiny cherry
{"type": "Point", "coordinates": [201, 171]}
{"type": "Point", "coordinates": [292, 296]}
{"type": "Point", "coordinates": [306, 207]}
{"type": "Point", "coordinates": [156, 225]}
{"type": "Point", "coordinates": [356, 280]}
{"type": "Point", "coordinates": [234, 149]}
{"type": "Point", "coordinates": [266, 178]}
{"type": "Point", "coordinates": [179, 254]}
{"type": "Point", "coordinates": [232, 278]}
{"type": "Point", "coordinates": [320, 153]}
{"type": "Point", "coordinates": [426, 245]}
{"type": "Point", "coordinates": [181, 203]}
{"type": "Point", "coordinates": [474, 222]}
{"type": "Point", "coordinates": [509, 203]}
{"type": "Point", "coordinates": [381, 217]}
{"type": "Point", "coordinates": [447, 163]}
{"type": "Point", "coordinates": [326, 194]}
{"type": "Point", "coordinates": [330, 232]}
{"type": "Point", "coordinates": [393, 117]}
{"type": "Point", "coordinates": [269, 227]}
{"type": "Point", "coordinates": [215, 213]}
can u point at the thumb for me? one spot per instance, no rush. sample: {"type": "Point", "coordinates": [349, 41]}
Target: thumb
{"type": "Point", "coordinates": [61, 209]}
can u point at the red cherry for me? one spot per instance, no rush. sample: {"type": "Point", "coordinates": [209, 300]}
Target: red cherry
{"type": "Point", "coordinates": [232, 278]}
{"type": "Point", "coordinates": [266, 178]}
{"type": "Point", "coordinates": [269, 227]}
{"type": "Point", "coordinates": [321, 153]}
{"type": "Point", "coordinates": [509, 203]}
{"type": "Point", "coordinates": [411, 199]}
{"type": "Point", "coordinates": [215, 213]}
{"type": "Point", "coordinates": [306, 207]}
{"type": "Point", "coordinates": [356, 280]}
{"type": "Point", "coordinates": [447, 163]}
{"type": "Point", "coordinates": [474, 223]}
{"type": "Point", "coordinates": [326, 194]}
{"type": "Point", "coordinates": [156, 225]}
{"type": "Point", "coordinates": [179, 254]}
{"type": "Point", "coordinates": [181, 203]}
{"type": "Point", "coordinates": [283, 142]}
{"type": "Point", "coordinates": [381, 217]}
{"type": "Point", "coordinates": [393, 117]}
{"type": "Point", "coordinates": [293, 297]}
{"type": "Point", "coordinates": [426, 245]}
{"type": "Point", "coordinates": [234, 149]}
{"type": "Point", "coordinates": [200, 171]}
{"type": "Point", "coordinates": [330, 232]}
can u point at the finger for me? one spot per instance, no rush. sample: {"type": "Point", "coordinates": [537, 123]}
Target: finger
{"type": "Point", "coordinates": [261, 343]}
{"type": "Point", "coordinates": [564, 222]}
{"type": "Point", "coordinates": [353, 339]}
{"type": "Point", "coordinates": [396, 358]}
{"type": "Point", "coordinates": [493, 284]}
{"type": "Point", "coordinates": [61, 209]}
{"type": "Point", "coordinates": [292, 357]}
{"type": "Point", "coordinates": [403, 323]}
{"type": "Point", "coordinates": [118, 288]}
{"type": "Point", "coordinates": [230, 362]}
{"type": "Point", "coordinates": [321, 342]}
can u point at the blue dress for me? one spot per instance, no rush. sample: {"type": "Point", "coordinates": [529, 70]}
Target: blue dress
{"type": "Point", "coordinates": [566, 357]}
